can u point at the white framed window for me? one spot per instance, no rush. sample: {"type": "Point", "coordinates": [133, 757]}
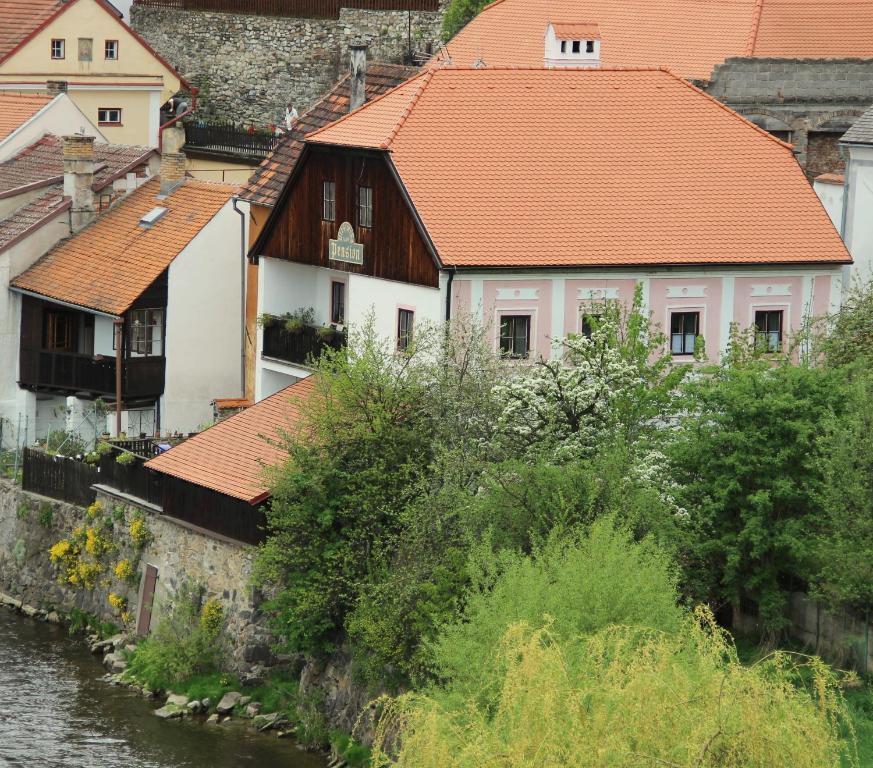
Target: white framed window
{"type": "Point", "coordinates": [110, 50]}
{"type": "Point", "coordinates": [769, 325]}
{"type": "Point", "coordinates": [328, 201]}
{"type": "Point", "coordinates": [515, 336]}
{"type": "Point", "coordinates": [405, 320]}
{"type": "Point", "coordinates": [109, 116]}
{"type": "Point", "coordinates": [146, 332]}
{"type": "Point", "coordinates": [684, 329]}
{"type": "Point", "coordinates": [365, 207]}
{"type": "Point", "coordinates": [59, 48]}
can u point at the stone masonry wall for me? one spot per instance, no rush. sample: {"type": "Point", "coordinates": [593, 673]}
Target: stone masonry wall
{"type": "Point", "coordinates": [31, 524]}
{"type": "Point", "coordinates": [249, 68]}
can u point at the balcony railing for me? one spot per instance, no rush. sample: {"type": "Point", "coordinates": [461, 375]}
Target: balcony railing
{"type": "Point", "coordinates": [229, 139]}
{"type": "Point", "coordinates": [66, 370]}
{"type": "Point", "coordinates": [302, 347]}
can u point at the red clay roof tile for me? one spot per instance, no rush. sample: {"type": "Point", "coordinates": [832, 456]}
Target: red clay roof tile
{"type": "Point", "coordinates": [19, 19]}
{"type": "Point", "coordinates": [16, 109]}
{"type": "Point", "coordinates": [596, 167]}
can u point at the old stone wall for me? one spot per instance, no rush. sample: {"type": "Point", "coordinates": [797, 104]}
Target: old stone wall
{"type": "Point", "coordinates": [31, 524]}
{"type": "Point", "coordinates": [249, 68]}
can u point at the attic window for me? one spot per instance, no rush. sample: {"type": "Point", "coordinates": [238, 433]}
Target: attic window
{"type": "Point", "coordinates": [589, 46]}
{"type": "Point", "coordinates": [152, 217]}
{"type": "Point", "coordinates": [563, 46]}
{"type": "Point", "coordinates": [577, 46]}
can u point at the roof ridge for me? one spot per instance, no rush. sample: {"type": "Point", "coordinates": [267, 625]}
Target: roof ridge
{"type": "Point", "coordinates": [756, 25]}
{"type": "Point", "coordinates": [363, 106]}
{"type": "Point", "coordinates": [737, 115]}
{"type": "Point", "coordinates": [425, 81]}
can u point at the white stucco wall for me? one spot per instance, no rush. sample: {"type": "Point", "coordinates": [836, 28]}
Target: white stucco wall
{"type": "Point", "coordinates": [384, 298]}
{"type": "Point", "coordinates": [831, 196]}
{"type": "Point", "coordinates": [60, 117]}
{"type": "Point", "coordinates": [858, 233]}
{"type": "Point", "coordinates": [204, 318]}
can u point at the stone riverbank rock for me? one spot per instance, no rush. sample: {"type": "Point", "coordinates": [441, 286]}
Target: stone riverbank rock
{"type": "Point", "coordinates": [177, 700]}
{"type": "Point", "coordinates": [169, 711]}
{"type": "Point", "coordinates": [212, 719]}
{"type": "Point", "coordinates": [114, 663]}
{"type": "Point", "coordinates": [253, 709]}
{"type": "Point", "coordinates": [228, 702]}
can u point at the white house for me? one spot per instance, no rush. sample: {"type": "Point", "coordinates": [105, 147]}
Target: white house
{"type": "Point", "coordinates": [151, 290]}
{"type": "Point", "coordinates": [526, 197]}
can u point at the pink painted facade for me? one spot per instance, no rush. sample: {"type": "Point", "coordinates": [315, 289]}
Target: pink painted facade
{"type": "Point", "coordinates": [556, 302]}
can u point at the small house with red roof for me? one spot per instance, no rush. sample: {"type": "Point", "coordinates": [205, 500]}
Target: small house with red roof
{"type": "Point", "coordinates": [525, 197]}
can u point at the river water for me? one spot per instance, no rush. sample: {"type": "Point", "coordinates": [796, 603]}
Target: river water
{"type": "Point", "coordinates": [56, 713]}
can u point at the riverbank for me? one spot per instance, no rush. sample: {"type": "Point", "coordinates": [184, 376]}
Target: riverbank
{"type": "Point", "coordinates": [57, 711]}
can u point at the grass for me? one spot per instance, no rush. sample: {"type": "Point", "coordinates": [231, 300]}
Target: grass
{"type": "Point", "coordinates": [82, 621]}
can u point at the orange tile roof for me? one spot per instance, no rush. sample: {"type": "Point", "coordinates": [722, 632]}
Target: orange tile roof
{"type": "Point", "coordinates": [18, 20]}
{"type": "Point", "coordinates": [17, 109]}
{"type": "Point", "coordinates": [572, 167]}
{"type": "Point", "coordinates": [230, 457]}
{"type": "Point", "coordinates": [107, 265]}
{"type": "Point", "coordinates": [688, 36]}
{"type": "Point", "coordinates": [573, 31]}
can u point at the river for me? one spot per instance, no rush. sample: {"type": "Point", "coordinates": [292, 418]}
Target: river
{"type": "Point", "coordinates": [56, 713]}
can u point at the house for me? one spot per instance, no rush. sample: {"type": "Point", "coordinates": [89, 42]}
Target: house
{"type": "Point", "coordinates": [369, 81]}
{"type": "Point", "coordinates": [115, 77]}
{"type": "Point", "coordinates": [216, 480]}
{"type": "Point", "coordinates": [802, 70]}
{"type": "Point", "coordinates": [525, 197]}
{"type": "Point", "coordinates": [848, 197]}
{"type": "Point", "coordinates": [25, 118]}
{"type": "Point", "coordinates": [41, 204]}
{"type": "Point", "coordinates": [140, 308]}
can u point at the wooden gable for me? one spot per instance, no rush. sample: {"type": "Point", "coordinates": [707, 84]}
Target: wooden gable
{"type": "Point", "coordinates": [393, 247]}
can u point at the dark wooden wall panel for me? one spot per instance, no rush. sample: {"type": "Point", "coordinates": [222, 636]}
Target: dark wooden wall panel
{"type": "Point", "coordinates": [393, 247]}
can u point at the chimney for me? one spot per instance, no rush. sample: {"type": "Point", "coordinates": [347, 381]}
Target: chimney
{"type": "Point", "coordinates": [172, 171]}
{"type": "Point", "coordinates": [54, 87]}
{"type": "Point", "coordinates": [79, 178]}
{"type": "Point", "coordinates": [358, 75]}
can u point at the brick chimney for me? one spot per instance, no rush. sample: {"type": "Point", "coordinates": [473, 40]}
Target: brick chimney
{"type": "Point", "coordinates": [172, 171]}
{"type": "Point", "coordinates": [357, 75]}
{"type": "Point", "coordinates": [54, 87]}
{"type": "Point", "coordinates": [78, 178]}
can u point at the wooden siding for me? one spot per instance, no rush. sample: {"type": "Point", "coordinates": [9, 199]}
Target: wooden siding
{"type": "Point", "coordinates": [393, 247]}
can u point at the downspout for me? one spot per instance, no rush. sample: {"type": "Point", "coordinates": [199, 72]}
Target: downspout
{"type": "Point", "coordinates": [119, 325]}
{"type": "Point", "coordinates": [242, 295]}
{"type": "Point", "coordinates": [177, 118]}
{"type": "Point", "coordinates": [451, 272]}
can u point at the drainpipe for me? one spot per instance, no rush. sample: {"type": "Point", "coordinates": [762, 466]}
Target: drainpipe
{"type": "Point", "coordinates": [177, 118]}
{"type": "Point", "coordinates": [119, 326]}
{"type": "Point", "coordinates": [242, 295]}
{"type": "Point", "coordinates": [451, 272]}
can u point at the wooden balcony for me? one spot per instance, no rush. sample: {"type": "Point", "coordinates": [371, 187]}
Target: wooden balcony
{"type": "Point", "coordinates": [227, 139]}
{"type": "Point", "coordinates": [301, 348]}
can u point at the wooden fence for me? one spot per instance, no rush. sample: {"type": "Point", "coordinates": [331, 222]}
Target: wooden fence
{"type": "Point", "coordinates": [59, 477]}
{"type": "Point", "coordinates": [229, 139]}
{"type": "Point", "coordinates": [311, 9]}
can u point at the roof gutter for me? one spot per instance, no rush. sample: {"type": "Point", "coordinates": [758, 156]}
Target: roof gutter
{"type": "Point", "coordinates": [42, 297]}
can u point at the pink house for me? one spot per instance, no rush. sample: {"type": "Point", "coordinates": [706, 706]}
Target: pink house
{"type": "Point", "coordinates": [527, 196]}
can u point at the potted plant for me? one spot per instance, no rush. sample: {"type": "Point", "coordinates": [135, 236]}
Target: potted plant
{"type": "Point", "coordinates": [326, 333]}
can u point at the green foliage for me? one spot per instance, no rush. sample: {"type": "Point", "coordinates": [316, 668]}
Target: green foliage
{"type": "Point", "coordinates": [346, 748]}
{"type": "Point", "coordinates": [23, 510]}
{"type": "Point", "coordinates": [125, 458]}
{"type": "Point", "coordinates": [458, 14]}
{"type": "Point", "coordinates": [210, 686]}
{"type": "Point", "coordinates": [64, 443]}
{"type": "Point", "coordinates": [179, 648]}
{"type": "Point", "coordinates": [45, 514]}
{"type": "Point", "coordinates": [577, 584]}
{"type": "Point", "coordinates": [750, 465]}
{"type": "Point", "coordinates": [628, 697]}
{"type": "Point", "coordinates": [82, 622]}
{"type": "Point", "coordinates": [851, 335]}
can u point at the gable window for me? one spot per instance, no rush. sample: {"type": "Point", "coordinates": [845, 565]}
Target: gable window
{"type": "Point", "coordinates": [365, 207]}
{"type": "Point", "coordinates": [576, 46]}
{"type": "Point", "coordinates": [86, 47]}
{"type": "Point", "coordinates": [515, 335]}
{"type": "Point", "coordinates": [589, 46]}
{"type": "Point", "coordinates": [328, 198]}
{"type": "Point", "coordinates": [109, 116]}
{"type": "Point", "coordinates": [769, 325]}
{"type": "Point", "coordinates": [405, 318]}
{"type": "Point", "coordinates": [684, 329]}
{"type": "Point", "coordinates": [58, 49]}
{"type": "Point", "coordinates": [110, 50]}
{"type": "Point", "coordinates": [337, 302]}
{"type": "Point", "coordinates": [589, 322]}
{"type": "Point", "coordinates": [146, 332]}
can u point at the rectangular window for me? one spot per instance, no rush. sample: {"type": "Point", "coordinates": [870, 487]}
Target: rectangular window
{"type": "Point", "coordinates": [365, 206]}
{"type": "Point", "coordinates": [589, 46]}
{"type": "Point", "coordinates": [337, 302]}
{"type": "Point", "coordinates": [57, 331]}
{"type": "Point", "coordinates": [769, 325]}
{"type": "Point", "coordinates": [328, 208]}
{"type": "Point", "coordinates": [684, 329]}
{"type": "Point", "coordinates": [515, 335]}
{"type": "Point", "coordinates": [58, 49]}
{"type": "Point", "coordinates": [146, 333]}
{"type": "Point", "coordinates": [109, 116]}
{"type": "Point", "coordinates": [576, 46]}
{"type": "Point", "coordinates": [110, 50]}
{"type": "Point", "coordinates": [588, 322]}
{"type": "Point", "coordinates": [563, 46]}
{"type": "Point", "coordinates": [86, 48]}
{"type": "Point", "coordinates": [405, 319]}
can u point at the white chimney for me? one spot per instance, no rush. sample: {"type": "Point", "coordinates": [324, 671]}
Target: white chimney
{"type": "Point", "coordinates": [357, 75]}
{"type": "Point", "coordinates": [572, 45]}
{"type": "Point", "coordinates": [79, 178]}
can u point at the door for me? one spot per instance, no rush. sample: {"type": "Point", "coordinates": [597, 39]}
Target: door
{"type": "Point", "coordinates": [146, 599]}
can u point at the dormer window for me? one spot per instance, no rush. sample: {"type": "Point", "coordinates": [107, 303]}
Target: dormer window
{"type": "Point", "coordinates": [572, 44]}
{"type": "Point", "coordinates": [563, 46]}
{"type": "Point", "coordinates": [577, 46]}
{"type": "Point", "coordinates": [589, 46]}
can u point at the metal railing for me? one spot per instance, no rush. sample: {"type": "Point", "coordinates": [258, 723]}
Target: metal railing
{"type": "Point", "coordinates": [229, 139]}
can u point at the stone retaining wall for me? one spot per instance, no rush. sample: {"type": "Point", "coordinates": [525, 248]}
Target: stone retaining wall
{"type": "Point", "coordinates": [252, 67]}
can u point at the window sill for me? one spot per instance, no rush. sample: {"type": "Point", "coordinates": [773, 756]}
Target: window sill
{"type": "Point", "coordinates": [110, 125]}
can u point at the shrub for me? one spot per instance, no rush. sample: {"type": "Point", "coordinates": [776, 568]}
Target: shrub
{"type": "Point", "coordinates": [139, 532]}
{"type": "Point", "coordinates": [124, 570]}
{"type": "Point", "coordinates": [126, 458]}
{"type": "Point", "coordinates": [46, 513]}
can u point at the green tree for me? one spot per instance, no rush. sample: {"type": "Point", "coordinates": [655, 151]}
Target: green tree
{"type": "Point", "coordinates": [459, 14]}
{"type": "Point", "coordinates": [851, 333]}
